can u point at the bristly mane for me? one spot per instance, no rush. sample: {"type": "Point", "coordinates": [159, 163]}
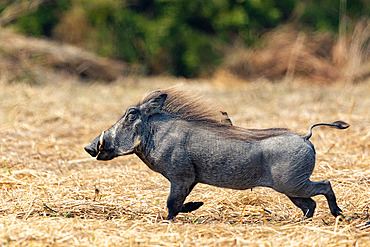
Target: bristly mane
{"type": "Point", "coordinates": [186, 106]}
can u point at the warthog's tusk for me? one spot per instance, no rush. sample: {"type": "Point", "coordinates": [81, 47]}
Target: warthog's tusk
{"type": "Point", "coordinates": [100, 147]}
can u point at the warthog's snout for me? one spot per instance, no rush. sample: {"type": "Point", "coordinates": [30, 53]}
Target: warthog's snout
{"type": "Point", "coordinates": [99, 149]}
{"type": "Point", "coordinates": [92, 149]}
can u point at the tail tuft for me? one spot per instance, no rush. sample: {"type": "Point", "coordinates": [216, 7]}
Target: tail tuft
{"type": "Point", "coordinates": [341, 125]}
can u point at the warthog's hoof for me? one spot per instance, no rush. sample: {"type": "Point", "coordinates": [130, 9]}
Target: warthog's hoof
{"type": "Point", "coordinates": [337, 212]}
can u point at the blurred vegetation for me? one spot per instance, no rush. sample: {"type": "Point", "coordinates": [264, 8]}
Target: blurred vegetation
{"type": "Point", "coordinates": [178, 37]}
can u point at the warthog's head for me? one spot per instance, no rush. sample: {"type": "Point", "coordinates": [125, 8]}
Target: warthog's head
{"type": "Point", "coordinates": [126, 135]}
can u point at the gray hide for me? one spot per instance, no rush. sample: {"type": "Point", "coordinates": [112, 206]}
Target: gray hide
{"type": "Point", "coordinates": [173, 135]}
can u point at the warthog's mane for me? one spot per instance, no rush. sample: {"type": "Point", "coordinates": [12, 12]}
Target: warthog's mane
{"type": "Point", "coordinates": [187, 106]}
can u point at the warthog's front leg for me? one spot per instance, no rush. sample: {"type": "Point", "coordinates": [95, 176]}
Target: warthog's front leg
{"type": "Point", "coordinates": [178, 194]}
{"type": "Point", "coordinates": [190, 206]}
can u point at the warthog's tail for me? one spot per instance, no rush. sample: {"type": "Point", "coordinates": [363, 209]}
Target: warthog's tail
{"type": "Point", "coordinates": [336, 124]}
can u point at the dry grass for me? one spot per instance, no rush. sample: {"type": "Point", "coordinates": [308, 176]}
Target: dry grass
{"type": "Point", "coordinates": [53, 194]}
{"type": "Point", "coordinates": [38, 61]}
{"type": "Point", "coordinates": [288, 53]}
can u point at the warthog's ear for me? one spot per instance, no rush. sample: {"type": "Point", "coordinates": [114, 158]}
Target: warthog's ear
{"type": "Point", "coordinates": [154, 105]}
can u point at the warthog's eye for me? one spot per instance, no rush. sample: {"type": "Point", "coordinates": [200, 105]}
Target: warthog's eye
{"type": "Point", "coordinates": [131, 116]}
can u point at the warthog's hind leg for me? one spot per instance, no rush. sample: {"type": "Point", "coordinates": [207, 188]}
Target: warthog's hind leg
{"type": "Point", "coordinates": [310, 189]}
{"type": "Point", "coordinates": [307, 205]}
{"type": "Point", "coordinates": [332, 201]}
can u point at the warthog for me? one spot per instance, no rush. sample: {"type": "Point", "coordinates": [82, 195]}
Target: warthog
{"type": "Point", "coordinates": [180, 138]}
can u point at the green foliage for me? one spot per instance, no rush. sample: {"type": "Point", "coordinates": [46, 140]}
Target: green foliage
{"type": "Point", "coordinates": [6, 169]}
{"type": "Point", "coordinates": [325, 15]}
{"type": "Point", "coordinates": [181, 37]}
{"type": "Point", "coordinates": [44, 19]}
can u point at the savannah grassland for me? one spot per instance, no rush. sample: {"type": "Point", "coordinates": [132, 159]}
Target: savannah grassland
{"type": "Point", "coordinates": [53, 194]}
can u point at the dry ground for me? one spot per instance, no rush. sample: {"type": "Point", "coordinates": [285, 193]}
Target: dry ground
{"type": "Point", "coordinates": [53, 194]}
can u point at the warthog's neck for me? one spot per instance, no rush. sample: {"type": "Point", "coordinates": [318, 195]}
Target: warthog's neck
{"type": "Point", "coordinates": [163, 138]}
